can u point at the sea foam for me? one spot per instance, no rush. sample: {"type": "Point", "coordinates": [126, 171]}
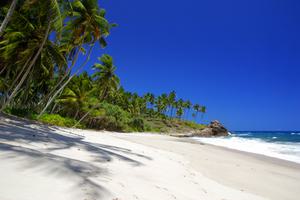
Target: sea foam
{"type": "Point", "coordinates": [282, 150]}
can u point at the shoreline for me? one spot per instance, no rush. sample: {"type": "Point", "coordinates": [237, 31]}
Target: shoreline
{"type": "Point", "coordinates": [85, 164]}
{"type": "Point", "coordinates": [239, 167]}
{"type": "Point", "coordinates": [261, 157]}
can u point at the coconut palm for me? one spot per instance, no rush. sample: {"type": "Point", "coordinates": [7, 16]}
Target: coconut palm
{"type": "Point", "coordinates": [106, 79]}
{"type": "Point", "coordinates": [171, 102]}
{"type": "Point", "coordinates": [27, 40]}
{"type": "Point", "coordinates": [179, 108]}
{"type": "Point", "coordinates": [197, 109]}
{"type": "Point", "coordinates": [87, 25]}
{"type": "Point", "coordinates": [187, 107]}
{"type": "Point", "coordinates": [76, 95]}
{"type": "Point", "coordinates": [8, 16]}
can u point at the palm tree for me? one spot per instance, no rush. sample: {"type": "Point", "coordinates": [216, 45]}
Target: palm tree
{"type": "Point", "coordinates": [203, 110]}
{"type": "Point", "coordinates": [8, 16]}
{"type": "Point", "coordinates": [197, 109]}
{"type": "Point", "coordinates": [149, 98]}
{"type": "Point", "coordinates": [161, 104]}
{"type": "Point", "coordinates": [179, 108]}
{"type": "Point", "coordinates": [172, 101]}
{"type": "Point", "coordinates": [106, 79]}
{"type": "Point", "coordinates": [87, 25]}
{"type": "Point", "coordinates": [77, 94]}
{"type": "Point", "coordinates": [105, 76]}
{"type": "Point", "coordinates": [187, 106]}
{"type": "Point", "coordinates": [35, 35]}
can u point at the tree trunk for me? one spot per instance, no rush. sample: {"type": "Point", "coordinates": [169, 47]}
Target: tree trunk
{"type": "Point", "coordinates": [8, 16]}
{"type": "Point", "coordinates": [187, 114]}
{"type": "Point", "coordinates": [28, 69]}
{"type": "Point", "coordinates": [85, 115]}
{"type": "Point", "coordinates": [76, 114]}
{"type": "Point", "coordinates": [172, 111]}
{"type": "Point", "coordinates": [3, 69]}
{"type": "Point", "coordinates": [63, 78]}
{"type": "Point", "coordinates": [19, 75]}
{"type": "Point", "coordinates": [66, 83]}
{"type": "Point", "coordinates": [53, 108]}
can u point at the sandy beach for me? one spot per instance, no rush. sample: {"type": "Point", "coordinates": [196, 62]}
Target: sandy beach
{"type": "Point", "coordinates": [43, 162]}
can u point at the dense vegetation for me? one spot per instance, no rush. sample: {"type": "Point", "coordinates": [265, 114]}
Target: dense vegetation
{"type": "Point", "coordinates": [41, 44]}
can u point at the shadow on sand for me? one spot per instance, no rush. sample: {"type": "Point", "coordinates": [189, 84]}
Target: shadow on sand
{"type": "Point", "coordinates": [45, 139]}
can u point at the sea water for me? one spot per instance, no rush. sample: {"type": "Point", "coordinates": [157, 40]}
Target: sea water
{"type": "Point", "coordinates": [278, 144]}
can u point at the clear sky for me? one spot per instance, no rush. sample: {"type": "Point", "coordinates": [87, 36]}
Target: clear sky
{"type": "Point", "coordinates": [240, 58]}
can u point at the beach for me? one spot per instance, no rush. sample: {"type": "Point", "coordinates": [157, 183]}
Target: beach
{"type": "Point", "coordinates": [43, 162]}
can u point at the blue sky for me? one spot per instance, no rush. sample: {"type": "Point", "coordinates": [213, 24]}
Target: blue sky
{"type": "Point", "coordinates": [240, 58]}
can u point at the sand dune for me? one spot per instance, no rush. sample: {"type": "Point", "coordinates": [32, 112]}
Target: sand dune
{"type": "Point", "coordinates": [41, 162]}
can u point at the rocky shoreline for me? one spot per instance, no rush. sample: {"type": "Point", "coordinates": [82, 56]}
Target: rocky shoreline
{"type": "Point", "coordinates": [214, 129]}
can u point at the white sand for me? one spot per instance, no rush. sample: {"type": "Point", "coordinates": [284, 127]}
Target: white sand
{"type": "Point", "coordinates": [46, 163]}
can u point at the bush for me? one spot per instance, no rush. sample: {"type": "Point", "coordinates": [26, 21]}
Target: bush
{"type": "Point", "coordinates": [55, 119]}
{"type": "Point", "coordinates": [113, 119]}
{"type": "Point", "coordinates": [137, 124]}
{"type": "Point", "coordinates": [20, 112]}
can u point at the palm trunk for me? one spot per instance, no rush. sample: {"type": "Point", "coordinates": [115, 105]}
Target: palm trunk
{"type": "Point", "coordinates": [187, 114]}
{"type": "Point", "coordinates": [172, 111]}
{"type": "Point", "coordinates": [53, 108]}
{"type": "Point", "coordinates": [19, 75]}
{"type": "Point", "coordinates": [76, 114]}
{"type": "Point", "coordinates": [66, 83]}
{"type": "Point", "coordinates": [63, 78]}
{"type": "Point", "coordinates": [8, 16]}
{"type": "Point", "coordinates": [16, 79]}
{"type": "Point", "coordinates": [3, 69]}
{"type": "Point", "coordinates": [28, 69]}
{"type": "Point", "coordinates": [85, 115]}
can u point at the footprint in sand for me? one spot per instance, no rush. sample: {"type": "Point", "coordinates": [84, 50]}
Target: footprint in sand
{"type": "Point", "coordinates": [122, 185]}
{"type": "Point", "coordinates": [204, 191]}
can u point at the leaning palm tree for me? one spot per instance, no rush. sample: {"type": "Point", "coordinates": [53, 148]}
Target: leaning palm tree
{"type": "Point", "coordinates": [27, 39]}
{"type": "Point", "coordinates": [8, 16]}
{"type": "Point", "coordinates": [87, 26]}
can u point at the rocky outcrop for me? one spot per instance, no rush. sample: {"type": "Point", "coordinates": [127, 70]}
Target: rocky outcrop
{"type": "Point", "coordinates": [215, 128]}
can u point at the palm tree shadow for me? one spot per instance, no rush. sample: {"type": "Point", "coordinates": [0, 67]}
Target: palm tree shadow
{"type": "Point", "coordinates": [39, 141]}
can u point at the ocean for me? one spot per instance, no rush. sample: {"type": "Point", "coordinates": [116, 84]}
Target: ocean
{"type": "Point", "coordinates": [278, 144]}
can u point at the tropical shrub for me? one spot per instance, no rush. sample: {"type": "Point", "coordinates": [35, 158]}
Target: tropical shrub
{"type": "Point", "coordinates": [57, 120]}
{"type": "Point", "coordinates": [138, 124]}
{"type": "Point", "coordinates": [20, 112]}
{"type": "Point", "coordinates": [113, 119]}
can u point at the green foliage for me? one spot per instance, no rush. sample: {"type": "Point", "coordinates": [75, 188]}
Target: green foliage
{"type": "Point", "coordinates": [138, 125]}
{"type": "Point", "coordinates": [113, 119]}
{"type": "Point", "coordinates": [194, 125]}
{"type": "Point", "coordinates": [40, 48]}
{"type": "Point", "coordinates": [57, 120]}
{"type": "Point", "coordinates": [20, 112]}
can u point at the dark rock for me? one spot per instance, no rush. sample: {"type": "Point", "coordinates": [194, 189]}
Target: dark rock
{"type": "Point", "coordinates": [215, 128]}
